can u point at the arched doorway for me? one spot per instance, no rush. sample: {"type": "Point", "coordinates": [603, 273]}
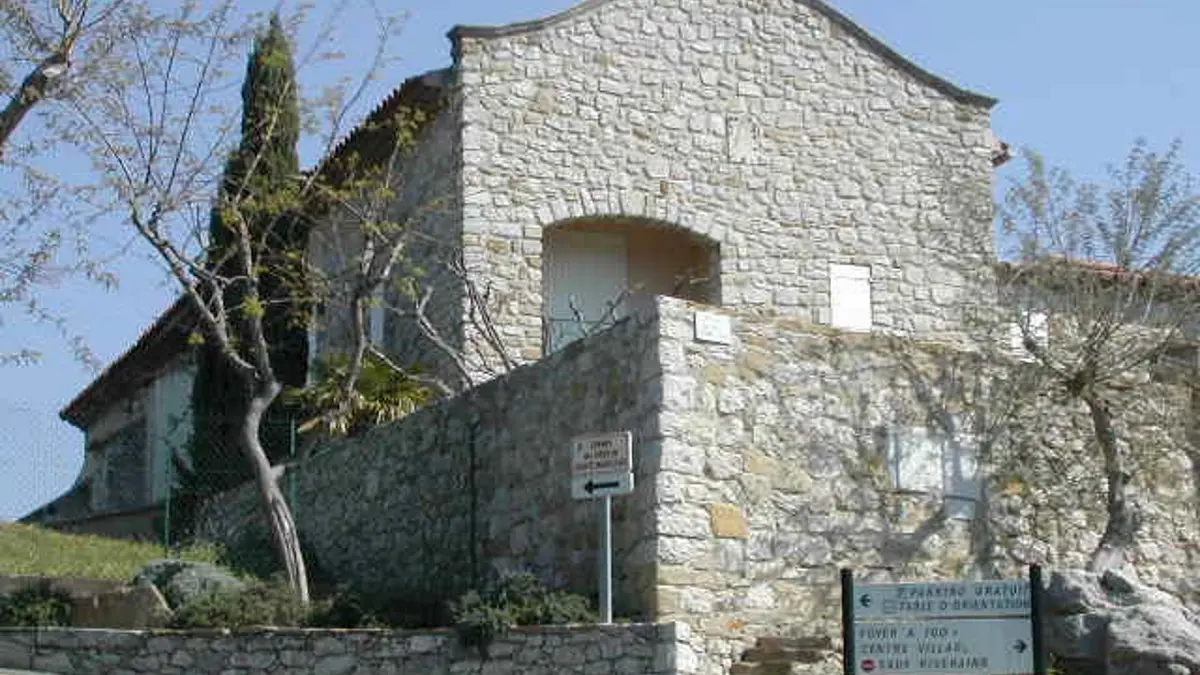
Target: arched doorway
{"type": "Point", "coordinates": [595, 270]}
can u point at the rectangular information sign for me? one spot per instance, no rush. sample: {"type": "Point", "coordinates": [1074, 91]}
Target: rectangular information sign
{"type": "Point", "coordinates": [932, 627]}
{"type": "Point", "coordinates": [963, 646]}
{"type": "Point", "coordinates": [938, 599]}
{"type": "Point", "coordinates": [602, 453]}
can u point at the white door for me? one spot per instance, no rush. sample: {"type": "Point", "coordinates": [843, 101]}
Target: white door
{"type": "Point", "coordinates": [587, 278]}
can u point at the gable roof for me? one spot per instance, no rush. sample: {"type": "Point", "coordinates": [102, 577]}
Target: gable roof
{"type": "Point", "coordinates": [873, 43]}
{"type": "Point", "coordinates": [370, 142]}
{"type": "Point", "coordinates": [165, 340]}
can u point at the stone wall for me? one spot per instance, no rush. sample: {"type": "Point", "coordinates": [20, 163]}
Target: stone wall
{"type": "Point", "coordinates": [766, 459]}
{"type": "Point", "coordinates": [422, 507]}
{"type": "Point", "coordinates": [781, 463]}
{"type": "Point", "coordinates": [775, 128]}
{"type": "Point", "coordinates": [595, 650]}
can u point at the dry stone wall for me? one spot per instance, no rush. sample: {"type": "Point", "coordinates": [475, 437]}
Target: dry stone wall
{"type": "Point", "coordinates": [592, 650]}
{"type": "Point", "coordinates": [771, 127]}
{"type": "Point", "coordinates": [422, 507]}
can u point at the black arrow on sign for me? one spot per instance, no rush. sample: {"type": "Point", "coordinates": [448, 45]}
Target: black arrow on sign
{"type": "Point", "coordinates": [864, 600]}
{"type": "Point", "coordinates": [1020, 646]}
{"type": "Point", "coordinates": [592, 486]}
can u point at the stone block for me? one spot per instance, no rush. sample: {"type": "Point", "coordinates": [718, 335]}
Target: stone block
{"type": "Point", "coordinates": [728, 521]}
{"type": "Point", "coordinates": [14, 653]}
{"type": "Point", "coordinates": [140, 606]}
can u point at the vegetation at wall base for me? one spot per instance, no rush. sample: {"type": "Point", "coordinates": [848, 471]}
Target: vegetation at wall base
{"type": "Point", "coordinates": [272, 603]}
{"type": "Point", "coordinates": [35, 606]}
{"type": "Point", "coordinates": [514, 599]}
{"type": "Point", "coordinates": [26, 549]}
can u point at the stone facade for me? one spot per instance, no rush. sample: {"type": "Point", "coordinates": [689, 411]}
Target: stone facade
{"type": "Point", "coordinates": [766, 459]}
{"type": "Point", "coordinates": [775, 129]}
{"type": "Point", "coordinates": [594, 650]}
{"type": "Point", "coordinates": [796, 450]}
{"type": "Point", "coordinates": [136, 419]}
{"type": "Point", "coordinates": [776, 135]}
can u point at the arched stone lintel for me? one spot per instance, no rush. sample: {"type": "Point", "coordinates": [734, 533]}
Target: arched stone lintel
{"type": "Point", "coordinates": [630, 204]}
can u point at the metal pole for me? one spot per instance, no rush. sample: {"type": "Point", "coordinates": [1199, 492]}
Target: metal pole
{"type": "Point", "coordinates": [606, 560]}
{"type": "Point", "coordinates": [848, 621]}
{"type": "Point", "coordinates": [166, 533]}
{"type": "Point", "coordinates": [1035, 617]}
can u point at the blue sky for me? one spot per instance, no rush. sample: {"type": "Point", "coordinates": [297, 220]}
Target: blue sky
{"type": "Point", "coordinates": [1077, 80]}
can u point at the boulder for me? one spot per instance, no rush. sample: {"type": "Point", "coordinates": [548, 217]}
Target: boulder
{"type": "Point", "coordinates": [1111, 623]}
{"type": "Point", "coordinates": [135, 607]}
{"type": "Point", "coordinates": [180, 581]}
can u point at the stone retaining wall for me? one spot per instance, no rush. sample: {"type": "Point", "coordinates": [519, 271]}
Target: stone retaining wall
{"type": "Point", "coordinates": [765, 461]}
{"type": "Point", "coordinates": [421, 508]}
{"type": "Point", "coordinates": [633, 649]}
{"type": "Point", "coordinates": [791, 450]}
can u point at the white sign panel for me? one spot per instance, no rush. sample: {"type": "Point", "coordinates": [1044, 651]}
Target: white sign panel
{"type": "Point", "coordinates": [602, 454]}
{"type": "Point", "coordinates": [594, 486]}
{"type": "Point", "coordinates": [963, 647]}
{"type": "Point", "coordinates": [712, 327]}
{"type": "Point", "coordinates": [942, 599]}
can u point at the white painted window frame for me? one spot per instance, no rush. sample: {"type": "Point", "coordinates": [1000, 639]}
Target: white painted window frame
{"type": "Point", "coordinates": [851, 305]}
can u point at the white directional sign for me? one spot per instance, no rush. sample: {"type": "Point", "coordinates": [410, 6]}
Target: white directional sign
{"type": "Point", "coordinates": [942, 599]}
{"type": "Point", "coordinates": [602, 465]}
{"type": "Point", "coordinates": [963, 647]}
{"type": "Point", "coordinates": [599, 485]}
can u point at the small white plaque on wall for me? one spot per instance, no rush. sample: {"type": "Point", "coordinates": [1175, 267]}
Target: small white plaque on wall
{"type": "Point", "coordinates": [713, 327]}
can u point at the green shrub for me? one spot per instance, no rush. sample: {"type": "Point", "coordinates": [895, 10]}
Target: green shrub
{"type": "Point", "coordinates": [343, 610]}
{"type": "Point", "coordinates": [514, 600]}
{"type": "Point", "coordinates": [258, 604]}
{"type": "Point", "coordinates": [37, 605]}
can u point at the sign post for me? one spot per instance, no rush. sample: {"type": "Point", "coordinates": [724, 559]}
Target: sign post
{"type": "Point", "coordinates": [601, 467]}
{"type": "Point", "coordinates": [960, 627]}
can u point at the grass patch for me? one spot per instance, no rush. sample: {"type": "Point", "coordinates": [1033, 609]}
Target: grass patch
{"type": "Point", "coordinates": [25, 549]}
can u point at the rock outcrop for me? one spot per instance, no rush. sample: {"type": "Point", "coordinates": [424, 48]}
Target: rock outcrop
{"type": "Point", "coordinates": [182, 580]}
{"type": "Point", "coordinates": [1111, 623]}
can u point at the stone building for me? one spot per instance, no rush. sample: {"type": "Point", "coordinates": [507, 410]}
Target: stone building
{"type": "Point", "coordinates": [136, 419]}
{"type": "Point", "coordinates": [770, 155]}
{"type": "Point", "coordinates": [760, 240]}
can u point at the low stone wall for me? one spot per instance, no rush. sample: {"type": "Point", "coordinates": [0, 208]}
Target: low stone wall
{"type": "Point", "coordinates": [632, 649]}
{"type": "Point", "coordinates": [75, 587]}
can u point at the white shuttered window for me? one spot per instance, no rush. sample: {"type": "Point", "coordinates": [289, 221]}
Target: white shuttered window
{"type": "Point", "coordinates": [850, 297]}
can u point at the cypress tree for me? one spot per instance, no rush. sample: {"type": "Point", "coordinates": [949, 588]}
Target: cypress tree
{"type": "Point", "coordinates": [260, 184]}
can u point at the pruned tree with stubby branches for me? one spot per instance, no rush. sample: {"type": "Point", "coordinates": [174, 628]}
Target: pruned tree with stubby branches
{"type": "Point", "coordinates": [1103, 281]}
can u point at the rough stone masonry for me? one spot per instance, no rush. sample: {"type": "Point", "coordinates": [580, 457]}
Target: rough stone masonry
{"type": "Point", "coordinates": [614, 650]}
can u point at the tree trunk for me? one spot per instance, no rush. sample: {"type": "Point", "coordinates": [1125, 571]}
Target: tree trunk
{"type": "Point", "coordinates": [1120, 530]}
{"type": "Point", "coordinates": [1193, 439]}
{"type": "Point", "coordinates": [279, 516]}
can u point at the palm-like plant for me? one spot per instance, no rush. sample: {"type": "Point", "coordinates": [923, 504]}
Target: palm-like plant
{"type": "Point", "coordinates": [381, 394]}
